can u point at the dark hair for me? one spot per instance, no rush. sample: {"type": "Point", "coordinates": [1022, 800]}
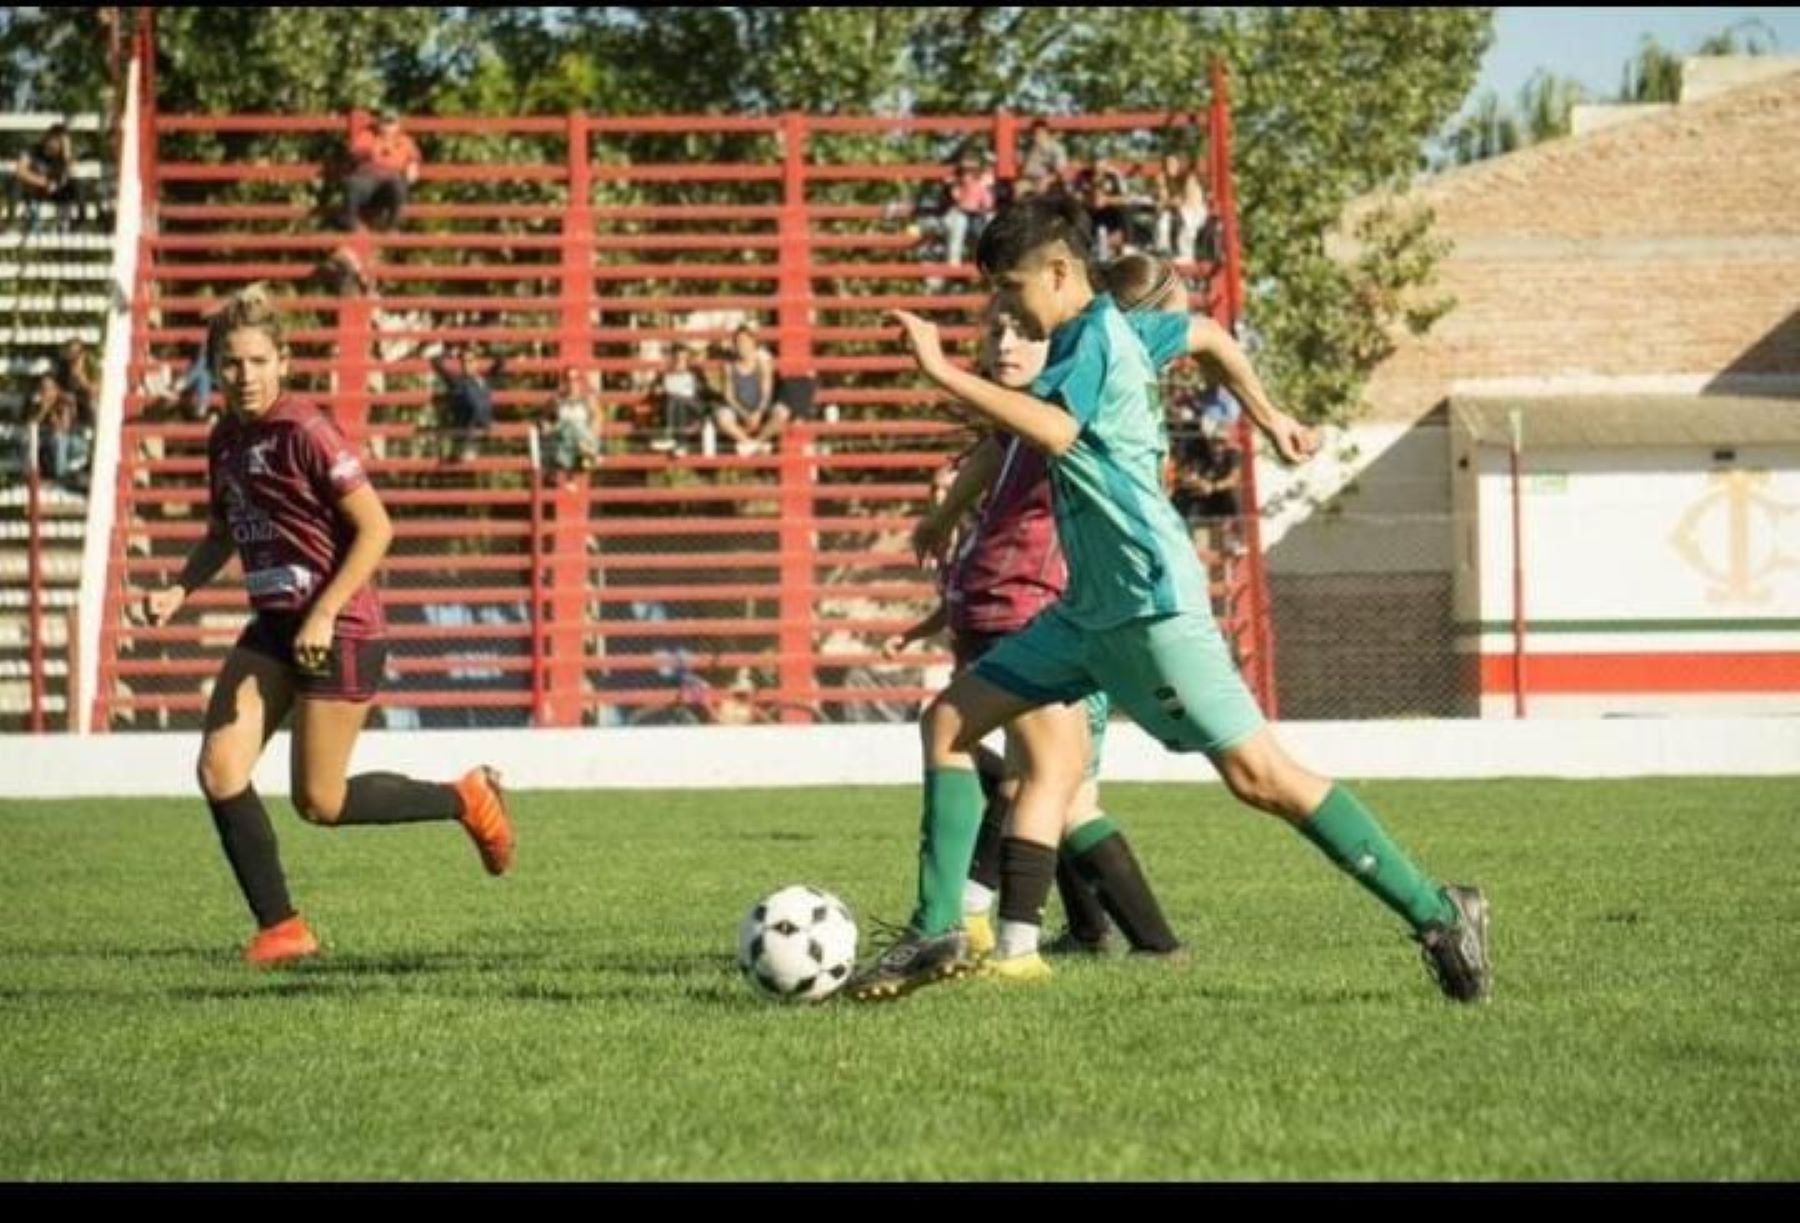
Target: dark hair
{"type": "Point", "coordinates": [1026, 226]}
{"type": "Point", "coordinates": [1140, 282]}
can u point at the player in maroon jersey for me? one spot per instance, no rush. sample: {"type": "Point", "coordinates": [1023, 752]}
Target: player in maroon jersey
{"type": "Point", "coordinates": [291, 498]}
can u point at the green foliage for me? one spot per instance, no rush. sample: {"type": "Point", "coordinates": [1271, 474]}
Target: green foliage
{"type": "Point", "coordinates": [1328, 103]}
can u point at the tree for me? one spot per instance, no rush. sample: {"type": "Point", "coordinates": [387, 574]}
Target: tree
{"type": "Point", "coordinates": [1328, 104]}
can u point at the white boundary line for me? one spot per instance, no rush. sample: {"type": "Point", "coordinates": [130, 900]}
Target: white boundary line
{"type": "Point", "coordinates": [72, 766]}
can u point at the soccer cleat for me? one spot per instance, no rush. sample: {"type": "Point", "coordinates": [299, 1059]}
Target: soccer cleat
{"type": "Point", "coordinates": [1458, 955]}
{"type": "Point", "coordinates": [911, 962]}
{"type": "Point", "coordinates": [1070, 943]}
{"type": "Point", "coordinates": [1017, 969]}
{"type": "Point", "coordinates": [980, 929]}
{"type": "Point", "coordinates": [484, 816]}
{"type": "Point", "coordinates": [282, 943]}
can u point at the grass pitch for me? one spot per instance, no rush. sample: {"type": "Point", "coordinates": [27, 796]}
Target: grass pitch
{"type": "Point", "coordinates": [582, 1019]}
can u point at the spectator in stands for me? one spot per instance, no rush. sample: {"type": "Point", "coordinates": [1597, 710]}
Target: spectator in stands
{"type": "Point", "coordinates": [1045, 166]}
{"type": "Point", "coordinates": [751, 416]}
{"type": "Point", "coordinates": [468, 395]}
{"type": "Point", "coordinates": [44, 175]}
{"type": "Point", "coordinates": [1208, 474]}
{"type": "Point", "coordinates": [682, 397]}
{"type": "Point", "coordinates": [971, 203]}
{"type": "Point", "coordinates": [386, 165]}
{"type": "Point", "coordinates": [57, 418]}
{"type": "Point", "coordinates": [1181, 209]}
{"type": "Point", "coordinates": [78, 372]}
{"type": "Point", "coordinates": [572, 424]}
{"type": "Point", "coordinates": [1102, 191]}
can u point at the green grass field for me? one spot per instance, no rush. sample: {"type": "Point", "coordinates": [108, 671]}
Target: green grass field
{"type": "Point", "coordinates": [582, 1019]}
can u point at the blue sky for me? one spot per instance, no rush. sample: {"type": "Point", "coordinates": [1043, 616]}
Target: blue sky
{"type": "Point", "coordinates": [1592, 44]}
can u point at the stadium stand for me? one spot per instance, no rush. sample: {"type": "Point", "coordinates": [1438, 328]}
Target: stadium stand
{"type": "Point", "coordinates": [54, 286]}
{"type": "Point", "coordinates": [642, 589]}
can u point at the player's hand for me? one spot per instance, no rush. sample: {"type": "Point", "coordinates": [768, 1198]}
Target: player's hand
{"type": "Point", "coordinates": [159, 606]}
{"type": "Point", "coordinates": [312, 644]}
{"type": "Point", "coordinates": [922, 337]}
{"type": "Point", "coordinates": [930, 541]}
{"type": "Point", "coordinates": [1293, 441]}
{"type": "Point", "coordinates": [891, 648]}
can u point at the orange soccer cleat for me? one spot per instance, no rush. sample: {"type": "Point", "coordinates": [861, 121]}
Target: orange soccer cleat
{"type": "Point", "coordinates": [484, 815]}
{"type": "Point", "coordinates": [283, 943]}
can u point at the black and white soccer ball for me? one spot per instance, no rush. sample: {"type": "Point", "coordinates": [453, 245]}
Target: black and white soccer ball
{"type": "Point", "coordinates": [797, 944]}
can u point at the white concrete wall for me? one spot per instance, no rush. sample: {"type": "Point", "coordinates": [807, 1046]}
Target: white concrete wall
{"type": "Point", "coordinates": [1647, 534]}
{"type": "Point", "coordinates": [69, 766]}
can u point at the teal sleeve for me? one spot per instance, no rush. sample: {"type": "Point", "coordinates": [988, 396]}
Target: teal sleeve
{"type": "Point", "coordinates": [1164, 333]}
{"type": "Point", "coordinates": [1075, 376]}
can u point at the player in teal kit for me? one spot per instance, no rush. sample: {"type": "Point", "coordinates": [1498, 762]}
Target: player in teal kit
{"type": "Point", "coordinates": [1136, 621]}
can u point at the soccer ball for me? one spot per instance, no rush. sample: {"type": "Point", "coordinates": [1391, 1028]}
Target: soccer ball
{"type": "Point", "coordinates": [797, 944]}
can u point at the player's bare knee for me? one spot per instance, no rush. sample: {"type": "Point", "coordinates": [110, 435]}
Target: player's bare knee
{"type": "Point", "coordinates": [219, 779]}
{"type": "Point", "coordinates": [318, 805]}
{"type": "Point", "coordinates": [941, 730]}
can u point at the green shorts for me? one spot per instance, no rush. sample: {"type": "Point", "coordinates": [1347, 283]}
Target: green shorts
{"type": "Point", "coordinates": [971, 647]}
{"type": "Point", "coordinates": [1173, 674]}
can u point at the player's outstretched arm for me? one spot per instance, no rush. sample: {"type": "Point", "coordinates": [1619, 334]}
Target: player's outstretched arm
{"type": "Point", "coordinates": [1036, 423]}
{"type": "Point", "coordinates": [1210, 342]}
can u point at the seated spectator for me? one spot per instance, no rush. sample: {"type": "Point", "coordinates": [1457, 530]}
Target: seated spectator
{"type": "Point", "coordinates": [54, 413]}
{"type": "Point", "coordinates": [1102, 191]}
{"type": "Point", "coordinates": [1208, 473]}
{"type": "Point", "coordinates": [44, 176]}
{"type": "Point", "coordinates": [340, 274]}
{"type": "Point", "coordinates": [572, 425]}
{"type": "Point", "coordinates": [1181, 209]}
{"type": "Point", "coordinates": [682, 396]}
{"type": "Point", "coordinates": [971, 204]}
{"type": "Point", "coordinates": [77, 371]}
{"type": "Point", "coordinates": [1045, 166]}
{"type": "Point", "coordinates": [468, 395]}
{"type": "Point", "coordinates": [386, 165]}
{"type": "Point", "coordinates": [750, 416]}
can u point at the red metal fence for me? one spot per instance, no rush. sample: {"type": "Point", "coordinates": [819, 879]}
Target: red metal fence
{"type": "Point", "coordinates": [651, 585]}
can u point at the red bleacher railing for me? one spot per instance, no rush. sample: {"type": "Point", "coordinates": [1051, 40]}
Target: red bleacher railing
{"type": "Point", "coordinates": [809, 517]}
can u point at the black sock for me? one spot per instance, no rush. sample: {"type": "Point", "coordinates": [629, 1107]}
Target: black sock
{"type": "Point", "coordinates": [984, 867]}
{"type": "Point", "coordinates": [1087, 918]}
{"type": "Point", "coordinates": [1026, 872]}
{"type": "Point", "coordinates": [1113, 870]}
{"type": "Point", "coordinates": [389, 798]}
{"type": "Point", "coordinates": [249, 841]}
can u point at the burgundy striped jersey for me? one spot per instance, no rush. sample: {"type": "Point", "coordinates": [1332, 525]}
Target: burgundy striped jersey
{"type": "Point", "coordinates": [1009, 567]}
{"type": "Point", "coordinates": [276, 481]}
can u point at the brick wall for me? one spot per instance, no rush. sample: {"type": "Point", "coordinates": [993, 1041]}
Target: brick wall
{"type": "Point", "coordinates": [1669, 245]}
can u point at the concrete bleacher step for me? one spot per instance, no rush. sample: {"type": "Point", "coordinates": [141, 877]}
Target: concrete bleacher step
{"type": "Point", "coordinates": [91, 334]}
{"type": "Point", "coordinates": [50, 303]}
{"type": "Point", "coordinates": [58, 270]}
{"type": "Point", "coordinates": [52, 499]}
{"type": "Point", "coordinates": [41, 240]}
{"type": "Point", "coordinates": [16, 668]}
{"type": "Point", "coordinates": [54, 597]}
{"type": "Point", "coordinates": [59, 568]}
{"type": "Point", "coordinates": [15, 702]}
{"type": "Point", "coordinates": [19, 532]}
{"type": "Point", "coordinates": [15, 632]}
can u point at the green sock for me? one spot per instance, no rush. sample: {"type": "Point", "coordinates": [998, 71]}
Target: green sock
{"type": "Point", "coordinates": [1350, 836]}
{"type": "Point", "coordinates": [1090, 834]}
{"type": "Point", "coordinates": [946, 846]}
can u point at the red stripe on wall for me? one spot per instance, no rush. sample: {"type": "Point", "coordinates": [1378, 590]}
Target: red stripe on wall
{"type": "Point", "coordinates": [1573, 673]}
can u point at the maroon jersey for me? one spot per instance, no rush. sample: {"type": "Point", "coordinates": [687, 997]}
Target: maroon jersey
{"type": "Point", "coordinates": [1010, 566]}
{"type": "Point", "coordinates": [276, 482]}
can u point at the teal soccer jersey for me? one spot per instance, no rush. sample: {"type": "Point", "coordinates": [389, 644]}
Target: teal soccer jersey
{"type": "Point", "coordinates": [1129, 553]}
